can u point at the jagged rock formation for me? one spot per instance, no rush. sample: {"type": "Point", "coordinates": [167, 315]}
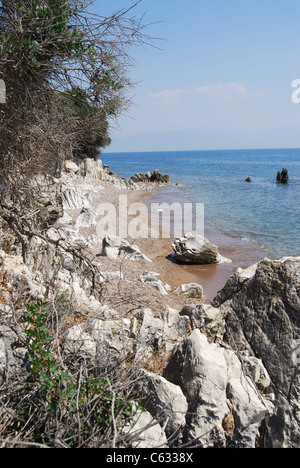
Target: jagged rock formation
{"type": "Point", "coordinates": [217, 389]}
{"type": "Point", "coordinates": [96, 170]}
{"type": "Point", "coordinates": [232, 367]}
{"type": "Point", "coordinates": [262, 306]}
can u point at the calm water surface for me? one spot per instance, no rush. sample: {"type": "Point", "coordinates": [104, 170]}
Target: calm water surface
{"type": "Point", "coordinates": [262, 211]}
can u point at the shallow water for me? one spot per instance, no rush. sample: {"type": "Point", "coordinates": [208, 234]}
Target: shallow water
{"type": "Point", "coordinates": [263, 212]}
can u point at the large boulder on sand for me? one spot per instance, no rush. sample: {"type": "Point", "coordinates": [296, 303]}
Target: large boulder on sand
{"type": "Point", "coordinates": [194, 248]}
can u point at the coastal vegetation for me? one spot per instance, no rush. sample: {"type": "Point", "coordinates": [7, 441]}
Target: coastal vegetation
{"type": "Point", "coordinates": [98, 349]}
{"type": "Point", "coordinates": [66, 71]}
{"type": "Point", "coordinates": [66, 75]}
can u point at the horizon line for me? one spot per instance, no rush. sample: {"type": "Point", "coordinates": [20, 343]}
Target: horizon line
{"type": "Point", "coordinates": [192, 150]}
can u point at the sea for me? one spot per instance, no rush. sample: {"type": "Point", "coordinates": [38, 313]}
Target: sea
{"type": "Point", "coordinates": [262, 211]}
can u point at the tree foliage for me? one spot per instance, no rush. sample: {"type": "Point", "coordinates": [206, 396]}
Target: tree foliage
{"type": "Point", "coordinates": [66, 72]}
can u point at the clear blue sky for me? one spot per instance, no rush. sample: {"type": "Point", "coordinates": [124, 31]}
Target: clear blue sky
{"type": "Point", "coordinates": [222, 78]}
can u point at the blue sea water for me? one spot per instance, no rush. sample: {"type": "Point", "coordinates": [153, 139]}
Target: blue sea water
{"type": "Point", "coordinates": [262, 211]}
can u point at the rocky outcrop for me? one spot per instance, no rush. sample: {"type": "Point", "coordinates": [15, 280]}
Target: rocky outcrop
{"type": "Point", "coordinates": [204, 385]}
{"type": "Point", "coordinates": [145, 432]}
{"type": "Point", "coordinates": [262, 306]}
{"type": "Point", "coordinates": [283, 176]}
{"type": "Point", "coordinates": [111, 341]}
{"type": "Point", "coordinates": [18, 277]}
{"type": "Point", "coordinates": [114, 247]}
{"type": "Point", "coordinates": [230, 370]}
{"type": "Point", "coordinates": [48, 198]}
{"type": "Point", "coordinates": [236, 361]}
{"type": "Point", "coordinates": [208, 319]}
{"type": "Point", "coordinates": [96, 170]}
{"type": "Point", "coordinates": [88, 168]}
{"type": "Point", "coordinates": [217, 390]}
{"type": "Point", "coordinates": [13, 357]}
{"type": "Point", "coordinates": [155, 177]}
{"type": "Point", "coordinates": [196, 249]}
{"type": "Point", "coordinates": [164, 400]}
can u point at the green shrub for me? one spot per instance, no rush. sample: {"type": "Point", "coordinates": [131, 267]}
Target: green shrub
{"type": "Point", "coordinates": [84, 408]}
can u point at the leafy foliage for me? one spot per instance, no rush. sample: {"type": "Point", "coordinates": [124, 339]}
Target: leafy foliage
{"type": "Point", "coordinates": [93, 122]}
{"type": "Point", "coordinates": [51, 47]}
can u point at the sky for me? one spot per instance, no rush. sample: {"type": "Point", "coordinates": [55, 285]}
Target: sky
{"type": "Point", "coordinates": [220, 76]}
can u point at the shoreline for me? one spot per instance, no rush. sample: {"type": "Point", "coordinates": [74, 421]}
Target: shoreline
{"type": "Point", "coordinates": [213, 277]}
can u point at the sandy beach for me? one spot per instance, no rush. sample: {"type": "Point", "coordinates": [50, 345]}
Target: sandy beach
{"type": "Point", "coordinates": [212, 277]}
{"type": "Point", "coordinates": [121, 294]}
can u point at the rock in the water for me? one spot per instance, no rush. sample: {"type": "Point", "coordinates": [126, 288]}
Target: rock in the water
{"type": "Point", "coordinates": [283, 176]}
{"type": "Point", "coordinates": [195, 249]}
{"type": "Point", "coordinates": [155, 176]}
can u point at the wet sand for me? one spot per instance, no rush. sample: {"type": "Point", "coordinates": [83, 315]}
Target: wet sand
{"type": "Point", "coordinates": [212, 277]}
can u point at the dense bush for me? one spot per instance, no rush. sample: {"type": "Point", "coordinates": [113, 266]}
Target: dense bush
{"type": "Point", "coordinates": [51, 48]}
